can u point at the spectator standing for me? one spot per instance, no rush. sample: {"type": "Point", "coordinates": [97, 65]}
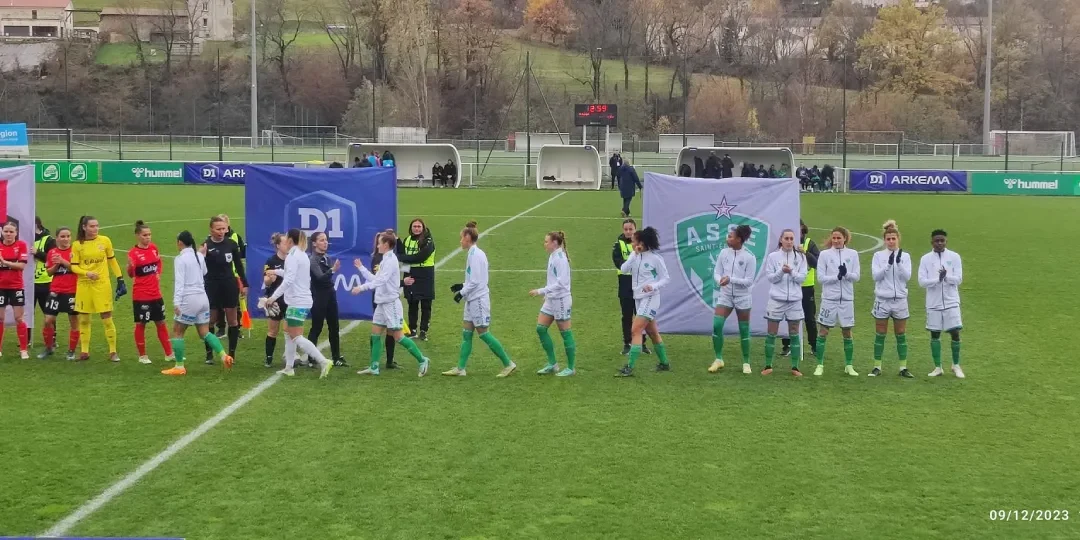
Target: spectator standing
{"type": "Point", "coordinates": [629, 183]}
{"type": "Point", "coordinates": [712, 166]}
{"type": "Point", "coordinates": [699, 167]}
{"type": "Point", "coordinates": [828, 177]}
{"type": "Point", "coordinates": [615, 163]}
{"type": "Point", "coordinates": [417, 251]}
{"type": "Point", "coordinates": [373, 160]}
{"type": "Point", "coordinates": [726, 166]}
{"type": "Point", "coordinates": [365, 162]}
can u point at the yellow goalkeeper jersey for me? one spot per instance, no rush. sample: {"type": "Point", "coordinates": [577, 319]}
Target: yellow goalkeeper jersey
{"type": "Point", "coordinates": [94, 256]}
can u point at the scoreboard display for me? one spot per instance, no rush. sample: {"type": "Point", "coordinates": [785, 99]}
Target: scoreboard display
{"type": "Point", "coordinates": [596, 115]}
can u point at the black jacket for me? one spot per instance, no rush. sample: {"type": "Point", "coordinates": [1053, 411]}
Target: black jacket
{"type": "Point", "coordinates": [322, 274]}
{"type": "Point", "coordinates": [626, 281]}
{"type": "Point", "coordinates": [726, 165]}
{"type": "Point", "coordinates": [424, 286]}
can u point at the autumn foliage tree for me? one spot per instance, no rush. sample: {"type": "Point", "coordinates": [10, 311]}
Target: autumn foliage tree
{"type": "Point", "coordinates": [549, 17]}
{"type": "Point", "coordinates": [910, 50]}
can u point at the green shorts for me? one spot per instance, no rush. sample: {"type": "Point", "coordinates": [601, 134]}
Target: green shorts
{"type": "Point", "coordinates": [295, 316]}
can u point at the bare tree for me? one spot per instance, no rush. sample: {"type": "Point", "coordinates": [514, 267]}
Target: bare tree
{"type": "Point", "coordinates": [410, 47]}
{"type": "Point", "coordinates": [378, 17]}
{"type": "Point", "coordinates": [342, 22]}
{"type": "Point", "coordinates": [130, 15]}
{"type": "Point", "coordinates": [281, 26]}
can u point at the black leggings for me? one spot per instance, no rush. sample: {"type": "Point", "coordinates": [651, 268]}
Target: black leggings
{"type": "Point", "coordinates": [325, 310]}
{"type": "Point", "coordinates": [629, 307]}
{"type": "Point", "coordinates": [809, 306]}
{"type": "Point", "coordinates": [626, 205]}
{"type": "Point", "coordinates": [424, 307]}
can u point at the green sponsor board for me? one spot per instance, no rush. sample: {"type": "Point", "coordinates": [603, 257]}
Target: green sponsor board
{"type": "Point", "coordinates": [66, 171]}
{"type": "Point", "coordinates": [142, 172]}
{"type": "Point", "coordinates": [1025, 183]}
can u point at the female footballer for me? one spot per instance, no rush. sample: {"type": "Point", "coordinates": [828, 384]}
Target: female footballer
{"type": "Point", "coordinates": [650, 275]}
{"type": "Point", "coordinates": [61, 298]}
{"type": "Point", "coordinates": [144, 266]}
{"type": "Point", "coordinates": [734, 276]}
{"type": "Point", "coordinates": [891, 272]}
{"type": "Point", "coordinates": [477, 298]}
{"type": "Point", "coordinates": [839, 270]}
{"type": "Point", "coordinates": [556, 308]}
{"type": "Point", "coordinates": [389, 317]}
{"type": "Point", "coordinates": [14, 256]}
{"type": "Point", "coordinates": [786, 270]}
{"type": "Point", "coordinates": [941, 273]}
{"type": "Point", "coordinates": [224, 263]}
{"type": "Point", "coordinates": [273, 270]}
{"type": "Point", "coordinates": [191, 306]}
{"type": "Point", "coordinates": [620, 252]}
{"type": "Point", "coordinates": [324, 309]}
{"type": "Point", "coordinates": [92, 259]}
{"type": "Point", "coordinates": [295, 288]}
{"type": "Point", "coordinates": [389, 343]}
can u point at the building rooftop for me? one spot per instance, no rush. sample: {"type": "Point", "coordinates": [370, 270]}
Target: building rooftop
{"type": "Point", "coordinates": [59, 4]}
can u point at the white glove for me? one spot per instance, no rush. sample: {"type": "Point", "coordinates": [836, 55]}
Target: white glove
{"type": "Point", "coordinates": [262, 302]}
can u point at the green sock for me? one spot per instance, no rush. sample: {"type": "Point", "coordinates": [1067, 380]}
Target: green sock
{"type": "Point", "coordinates": [935, 351]}
{"type": "Point", "coordinates": [901, 349]}
{"type": "Point", "coordinates": [571, 349]}
{"type": "Point", "coordinates": [466, 348]}
{"type": "Point", "coordinates": [546, 343]}
{"type": "Point", "coordinates": [956, 353]}
{"type": "Point", "coordinates": [770, 350]}
{"type": "Point", "coordinates": [410, 346]}
{"type": "Point", "coordinates": [821, 350]}
{"type": "Point", "coordinates": [496, 348]}
{"type": "Point", "coordinates": [635, 352]}
{"type": "Point", "coordinates": [879, 349]}
{"type": "Point", "coordinates": [744, 340]}
{"type": "Point", "coordinates": [718, 336]}
{"type": "Point", "coordinates": [849, 351]}
{"type": "Point", "coordinates": [178, 350]}
{"type": "Point", "coordinates": [661, 352]}
{"type": "Point", "coordinates": [796, 351]}
{"type": "Point", "coordinates": [214, 343]}
{"type": "Point", "coordinates": [377, 344]}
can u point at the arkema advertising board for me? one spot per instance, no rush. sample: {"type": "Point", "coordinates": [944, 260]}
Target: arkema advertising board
{"type": "Point", "coordinates": [907, 180]}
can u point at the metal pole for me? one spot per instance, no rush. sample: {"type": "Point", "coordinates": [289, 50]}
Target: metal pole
{"type": "Point", "coordinates": [1061, 157]}
{"type": "Point", "coordinates": [1006, 149]}
{"type": "Point", "coordinates": [899, 151]}
{"type": "Point", "coordinates": [528, 119]}
{"type": "Point", "coordinates": [254, 83]}
{"type": "Point", "coordinates": [476, 127]}
{"type": "Point", "coordinates": [120, 140]}
{"type": "Point", "coordinates": [953, 163]}
{"type": "Point", "coordinates": [986, 83]}
{"type": "Point", "coordinates": [69, 150]}
{"type": "Point", "coordinates": [170, 143]}
{"type": "Point", "coordinates": [685, 100]}
{"type": "Point", "coordinates": [374, 138]}
{"type": "Point", "coordinates": [843, 121]}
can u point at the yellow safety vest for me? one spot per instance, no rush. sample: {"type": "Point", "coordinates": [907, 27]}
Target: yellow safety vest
{"type": "Point", "coordinates": [412, 247]}
{"type": "Point", "coordinates": [811, 274]}
{"type": "Point", "coordinates": [627, 249]}
{"type": "Point", "coordinates": [41, 275]}
{"type": "Point", "coordinates": [235, 238]}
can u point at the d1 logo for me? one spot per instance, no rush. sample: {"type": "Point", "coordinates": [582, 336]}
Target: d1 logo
{"type": "Point", "coordinates": [209, 171]}
{"type": "Point", "coordinates": [322, 211]}
{"type": "Point", "coordinates": [876, 178]}
{"type": "Point", "coordinates": [699, 240]}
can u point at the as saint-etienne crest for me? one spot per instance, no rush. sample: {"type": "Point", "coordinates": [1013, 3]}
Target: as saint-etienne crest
{"type": "Point", "coordinates": [701, 237]}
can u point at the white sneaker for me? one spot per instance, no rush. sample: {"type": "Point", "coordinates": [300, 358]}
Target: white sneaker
{"type": "Point", "coordinates": [747, 369]}
{"type": "Point", "coordinates": [423, 367]}
{"type": "Point", "coordinates": [144, 360]}
{"type": "Point", "coordinates": [819, 370]}
{"type": "Point", "coordinates": [958, 372]}
{"type": "Point", "coordinates": [507, 370]}
{"type": "Point", "coordinates": [368, 371]}
{"type": "Point", "coordinates": [456, 372]}
{"type": "Point", "coordinates": [287, 372]}
{"type": "Point", "coordinates": [851, 371]}
{"type": "Point", "coordinates": [170, 358]}
{"type": "Point", "coordinates": [325, 369]}
{"type": "Point", "coordinates": [936, 373]}
{"type": "Point", "coordinates": [25, 355]}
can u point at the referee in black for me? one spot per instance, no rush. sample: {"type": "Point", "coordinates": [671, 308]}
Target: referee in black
{"type": "Point", "coordinates": [621, 251]}
{"type": "Point", "coordinates": [224, 264]}
{"type": "Point", "coordinates": [810, 249]}
{"type": "Point", "coordinates": [324, 308]}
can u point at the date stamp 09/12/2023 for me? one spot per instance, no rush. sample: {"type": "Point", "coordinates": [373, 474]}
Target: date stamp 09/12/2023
{"type": "Point", "coordinates": [1029, 515]}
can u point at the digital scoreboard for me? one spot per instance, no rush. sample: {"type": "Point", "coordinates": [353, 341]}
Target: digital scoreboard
{"type": "Point", "coordinates": [596, 115]}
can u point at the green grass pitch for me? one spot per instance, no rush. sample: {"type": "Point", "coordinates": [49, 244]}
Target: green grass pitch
{"type": "Point", "coordinates": [676, 455]}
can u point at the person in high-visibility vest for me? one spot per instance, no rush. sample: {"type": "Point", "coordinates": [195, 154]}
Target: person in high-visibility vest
{"type": "Point", "coordinates": [417, 252]}
{"type": "Point", "coordinates": [620, 252]}
{"type": "Point", "coordinates": [810, 249]}
{"type": "Point", "coordinates": [43, 242]}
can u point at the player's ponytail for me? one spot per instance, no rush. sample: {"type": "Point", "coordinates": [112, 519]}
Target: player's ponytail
{"type": "Point", "coordinates": [140, 226]}
{"type": "Point", "coordinates": [471, 231]}
{"type": "Point", "coordinates": [83, 222]}
{"type": "Point", "coordinates": [186, 239]}
{"type": "Point", "coordinates": [559, 237]}
{"type": "Point", "coordinates": [743, 232]}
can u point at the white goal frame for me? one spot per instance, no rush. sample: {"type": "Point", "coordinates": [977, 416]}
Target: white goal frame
{"type": "Point", "coordinates": [1066, 142]}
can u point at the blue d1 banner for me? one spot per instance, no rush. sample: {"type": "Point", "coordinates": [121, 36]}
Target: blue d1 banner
{"type": "Point", "coordinates": [219, 173]}
{"type": "Point", "coordinates": [905, 180]}
{"type": "Point", "coordinates": [349, 205]}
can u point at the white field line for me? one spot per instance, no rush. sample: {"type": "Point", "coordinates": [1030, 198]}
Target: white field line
{"type": "Point", "coordinates": [64, 526]}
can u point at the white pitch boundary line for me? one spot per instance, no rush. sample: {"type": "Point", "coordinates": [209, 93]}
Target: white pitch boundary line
{"type": "Point", "coordinates": [65, 525]}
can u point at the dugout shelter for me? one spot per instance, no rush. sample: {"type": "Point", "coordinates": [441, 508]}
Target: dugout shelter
{"type": "Point", "coordinates": [758, 156]}
{"type": "Point", "coordinates": [568, 167]}
{"type": "Point", "coordinates": [412, 160]}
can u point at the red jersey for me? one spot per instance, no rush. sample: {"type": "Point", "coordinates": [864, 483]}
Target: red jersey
{"type": "Point", "coordinates": [144, 264]}
{"type": "Point", "coordinates": [18, 252]}
{"type": "Point", "coordinates": [64, 280]}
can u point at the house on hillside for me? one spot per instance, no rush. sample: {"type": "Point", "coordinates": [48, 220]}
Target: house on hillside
{"type": "Point", "coordinates": [196, 20]}
{"type": "Point", "coordinates": [35, 19]}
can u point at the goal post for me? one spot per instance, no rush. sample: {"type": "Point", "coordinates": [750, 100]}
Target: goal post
{"type": "Point", "coordinates": [870, 137]}
{"type": "Point", "coordinates": [1033, 143]}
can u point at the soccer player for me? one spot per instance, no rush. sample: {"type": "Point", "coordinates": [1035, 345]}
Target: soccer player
{"type": "Point", "coordinates": [839, 270]}
{"type": "Point", "coordinates": [389, 343]}
{"type": "Point", "coordinates": [273, 270]}
{"type": "Point", "coordinates": [61, 296]}
{"type": "Point", "coordinates": [144, 265]}
{"type": "Point", "coordinates": [941, 273]}
{"type": "Point", "coordinates": [92, 259]}
{"type": "Point", "coordinates": [734, 276]}
{"type": "Point", "coordinates": [191, 307]}
{"type": "Point", "coordinates": [324, 309]}
{"type": "Point", "coordinates": [786, 269]}
{"type": "Point", "coordinates": [891, 272]}
{"type": "Point", "coordinates": [295, 288]}
{"type": "Point", "coordinates": [650, 275]}
{"type": "Point", "coordinates": [224, 263]}
{"type": "Point", "coordinates": [809, 249]}
{"type": "Point", "coordinates": [389, 315]}
{"type": "Point", "coordinates": [43, 242]}
{"type": "Point", "coordinates": [556, 308]}
{"type": "Point", "coordinates": [620, 252]}
{"type": "Point", "coordinates": [14, 256]}
{"type": "Point", "coordinates": [477, 298]}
